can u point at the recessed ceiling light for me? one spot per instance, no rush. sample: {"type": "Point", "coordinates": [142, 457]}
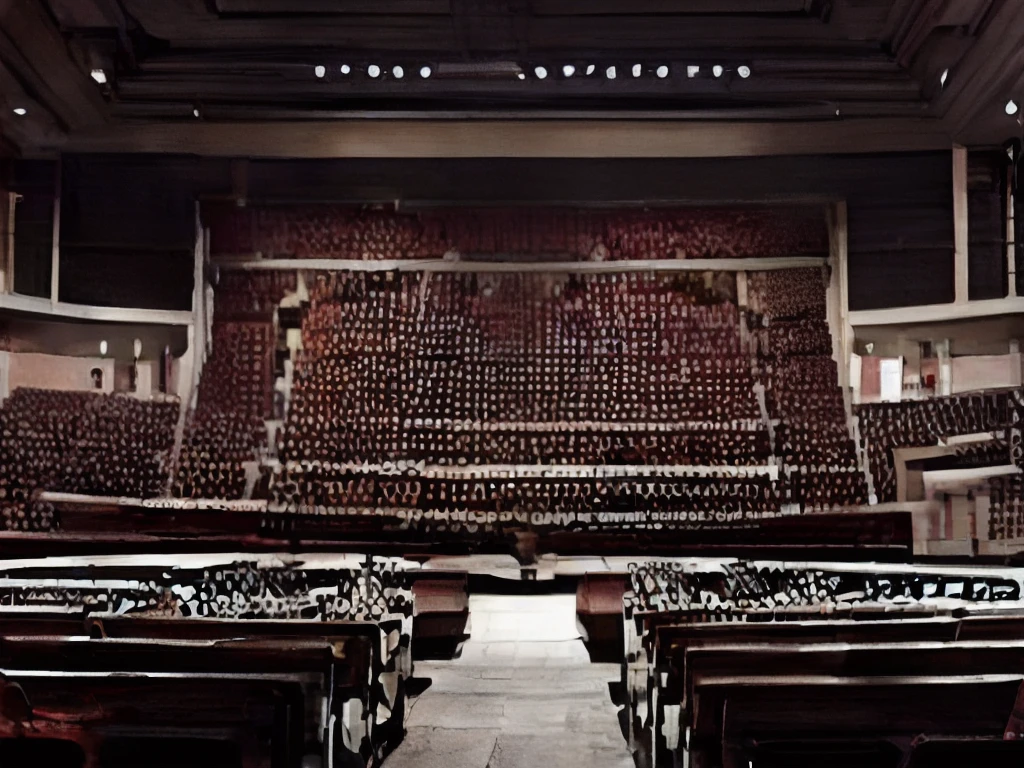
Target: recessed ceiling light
{"type": "Point", "coordinates": [540, 72]}
{"type": "Point", "coordinates": [425, 72]}
{"type": "Point", "coordinates": [743, 71]}
{"type": "Point", "coordinates": [1011, 107]}
{"type": "Point", "coordinates": [99, 76]}
{"type": "Point", "coordinates": [610, 72]}
{"type": "Point", "coordinates": [637, 70]}
{"type": "Point", "coordinates": [320, 70]}
{"type": "Point", "coordinates": [692, 70]}
{"type": "Point", "coordinates": [398, 72]}
{"type": "Point", "coordinates": [568, 70]}
{"type": "Point", "coordinates": [345, 69]}
{"type": "Point", "coordinates": [662, 72]}
{"type": "Point", "coordinates": [195, 112]}
{"type": "Point", "coordinates": [590, 69]}
{"type": "Point", "coordinates": [20, 111]}
{"type": "Point", "coordinates": [373, 70]}
{"type": "Point", "coordinates": [521, 75]}
{"type": "Point", "coordinates": [717, 70]}
{"type": "Point", "coordinates": [943, 77]}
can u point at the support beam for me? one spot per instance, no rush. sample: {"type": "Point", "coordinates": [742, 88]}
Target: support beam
{"type": "Point", "coordinates": [55, 243]}
{"type": "Point", "coordinates": [960, 224]}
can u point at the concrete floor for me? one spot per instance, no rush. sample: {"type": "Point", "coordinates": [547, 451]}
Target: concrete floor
{"type": "Point", "coordinates": [523, 694]}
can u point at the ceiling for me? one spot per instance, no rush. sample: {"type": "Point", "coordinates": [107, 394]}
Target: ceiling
{"type": "Point", "coordinates": [840, 75]}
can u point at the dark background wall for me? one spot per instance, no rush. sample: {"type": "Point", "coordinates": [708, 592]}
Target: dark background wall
{"type": "Point", "coordinates": [132, 218]}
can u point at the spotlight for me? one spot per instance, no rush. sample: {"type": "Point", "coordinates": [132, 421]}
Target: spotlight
{"type": "Point", "coordinates": [568, 70]}
{"type": "Point", "coordinates": [540, 72]}
{"type": "Point", "coordinates": [610, 72]}
{"type": "Point", "coordinates": [943, 77]}
{"type": "Point", "coordinates": [1011, 107]}
{"type": "Point", "coordinates": [692, 70]}
{"type": "Point", "coordinates": [373, 70]}
{"type": "Point", "coordinates": [320, 70]}
{"type": "Point", "coordinates": [521, 75]}
{"type": "Point", "coordinates": [743, 71]}
{"type": "Point", "coordinates": [661, 71]}
{"type": "Point", "coordinates": [425, 72]}
{"type": "Point", "coordinates": [717, 70]}
{"type": "Point", "coordinates": [637, 70]}
{"type": "Point", "coordinates": [398, 72]}
{"type": "Point", "coordinates": [590, 69]}
{"type": "Point", "coordinates": [20, 111]}
{"type": "Point", "coordinates": [99, 76]}
{"type": "Point", "coordinates": [345, 69]}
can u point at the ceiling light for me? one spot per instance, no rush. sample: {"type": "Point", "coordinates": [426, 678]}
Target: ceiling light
{"type": "Point", "coordinates": [398, 72]}
{"type": "Point", "coordinates": [590, 69]}
{"type": "Point", "coordinates": [103, 347]}
{"type": "Point", "coordinates": [320, 70]}
{"type": "Point", "coordinates": [20, 111]}
{"type": "Point", "coordinates": [568, 70]}
{"type": "Point", "coordinates": [425, 72]}
{"type": "Point", "coordinates": [195, 112]}
{"type": "Point", "coordinates": [99, 76]}
{"type": "Point", "coordinates": [521, 75]}
{"type": "Point", "coordinates": [373, 70]}
{"type": "Point", "coordinates": [1011, 107]}
{"type": "Point", "coordinates": [943, 77]}
{"type": "Point", "coordinates": [637, 70]}
{"type": "Point", "coordinates": [717, 70]}
{"type": "Point", "coordinates": [610, 72]}
{"type": "Point", "coordinates": [540, 72]}
{"type": "Point", "coordinates": [345, 69]}
{"type": "Point", "coordinates": [692, 70]}
{"type": "Point", "coordinates": [662, 72]}
{"type": "Point", "coordinates": [743, 71]}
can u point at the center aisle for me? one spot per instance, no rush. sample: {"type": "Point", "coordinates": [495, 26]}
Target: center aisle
{"type": "Point", "coordinates": [523, 694]}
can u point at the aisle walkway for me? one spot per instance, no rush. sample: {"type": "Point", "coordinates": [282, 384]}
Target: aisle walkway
{"type": "Point", "coordinates": [522, 695]}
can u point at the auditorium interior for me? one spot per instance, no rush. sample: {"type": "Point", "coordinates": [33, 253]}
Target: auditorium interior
{"type": "Point", "coordinates": [502, 384]}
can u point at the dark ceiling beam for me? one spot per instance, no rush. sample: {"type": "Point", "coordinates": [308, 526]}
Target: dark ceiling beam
{"type": "Point", "coordinates": [665, 7]}
{"type": "Point", "coordinates": [184, 24]}
{"type": "Point", "coordinates": [34, 49]}
{"type": "Point", "coordinates": [334, 7]}
{"type": "Point", "coordinates": [262, 89]}
{"type": "Point", "coordinates": [542, 139]}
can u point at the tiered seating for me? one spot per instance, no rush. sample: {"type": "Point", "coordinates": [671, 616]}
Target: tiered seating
{"type": "Point", "coordinates": [245, 653]}
{"type": "Point", "coordinates": [812, 438]}
{"type": "Point", "coordinates": [330, 231]}
{"type": "Point", "coordinates": [921, 423]}
{"type": "Point", "coordinates": [461, 370]}
{"type": "Point", "coordinates": [1006, 510]}
{"type": "Point", "coordinates": [803, 644]}
{"type": "Point", "coordinates": [227, 428]}
{"type": "Point", "coordinates": [84, 443]}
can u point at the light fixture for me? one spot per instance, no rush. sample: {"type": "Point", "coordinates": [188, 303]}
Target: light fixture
{"type": "Point", "coordinates": [1011, 107]}
{"type": "Point", "coordinates": [398, 71]}
{"type": "Point", "coordinates": [345, 69]}
{"type": "Point", "coordinates": [373, 70]}
{"type": "Point", "coordinates": [568, 70]}
{"type": "Point", "coordinates": [521, 75]}
{"type": "Point", "coordinates": [943, 77]}
{"type": "Point", "coordinates": [590, 69]}
{"type": "Point", "coordinates": [103, 347]}
{"type": "Point", "coordinates": [195, 112]}
{"type": "Point", "coordinates": [743, 71]}
{"type": "Point", "coordinates": [540, 72]}
{"type": "Point", "coordinates": [637, 70]}
{"type": "Point", "coordinates": [425, 72]}
{"type": "Point", "coordinates": [717, 70]}
{"type": "Point", "coordinates": [320, 70]}
{"type": "Point", "coordinates": [99, 76]}
{"type": "Point", "coordinates": [610, 72]}
{"type": "Point", "coordinates": [20, 111]}
{"type": "Point", "coordinates": [137, 348]}
{"type": "Point", "coordinates": [692, 70]}
{"type": "Point", "coordinates": [661, 71]}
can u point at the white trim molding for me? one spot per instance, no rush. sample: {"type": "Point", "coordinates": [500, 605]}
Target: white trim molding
{"type": "Point", "coordinates": [938, 313]}
{"type": "Point", "coordinates": [39, 306]}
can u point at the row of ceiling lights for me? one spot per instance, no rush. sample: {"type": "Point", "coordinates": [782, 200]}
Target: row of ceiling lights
{"type": "Point", "coordinates": [541, 72]}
